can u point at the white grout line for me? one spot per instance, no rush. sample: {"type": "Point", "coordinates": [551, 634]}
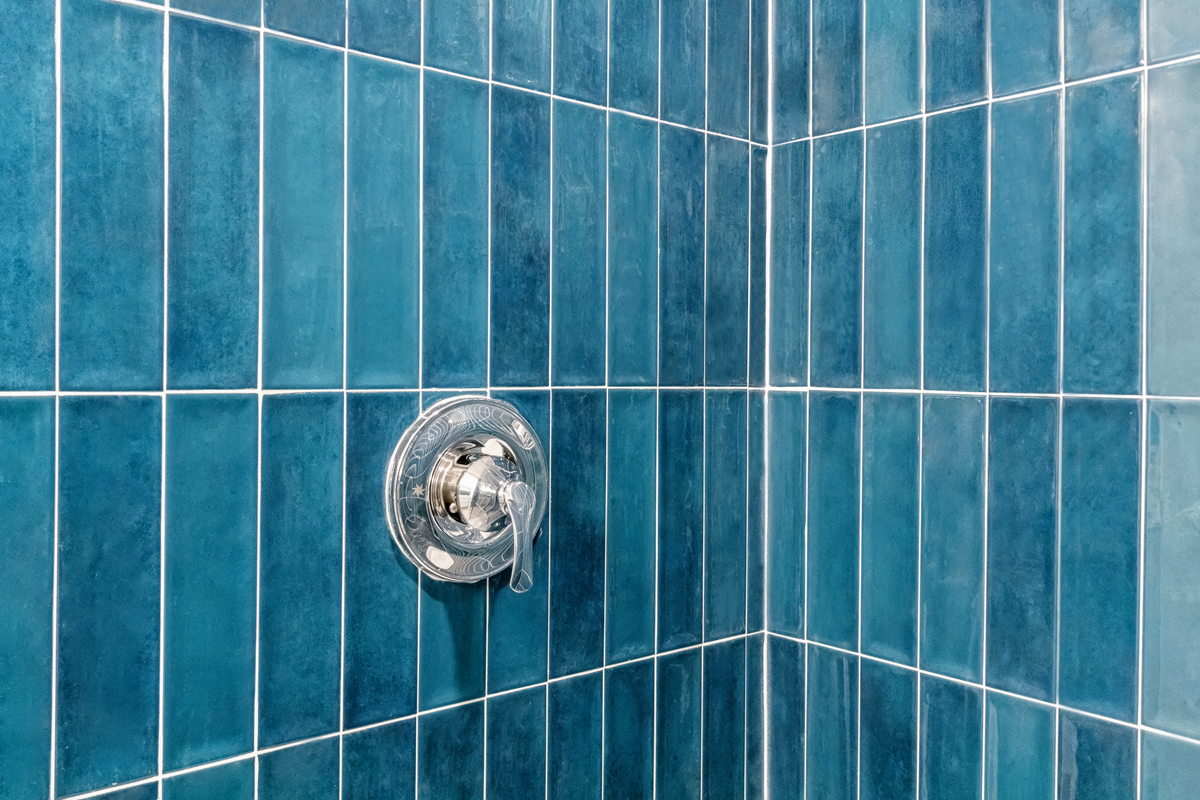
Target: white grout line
{"type": "Point", "coordinates": [345, 395]}
{"type": "Point", "coordinates": [162, 403]}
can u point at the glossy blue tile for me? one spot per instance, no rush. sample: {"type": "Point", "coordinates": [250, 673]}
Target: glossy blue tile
{"type": "Point", "coordinates": [756, 733]}
{"type": "Point", "coordinates": [952, 536]}
{"type": "Point", "coordinates": [726, 279]}
{"type": "Point", "coordinates": [633, 56]}
{"type": "Point", "coordinates": [581, 50]}
{"type": "Point", "coordinates": [678, 737]}
{"type": "Point", "coordinates": [27, 169]}
{"type": "Point", "coordinates": [888, 758]}
{"type": "Point", "coordinates": [760, 85]}
{"type": "Point", "coordinates": [300, 572]}
{"type": "Point", "coordinates": [785, 671]}
{"type": "Point", "coordinates": [212, 302]}
{"type": "Point", "coordinates": [892, 258]}
{"type": "Point", "coordinates": [323, 20]}
{"type": "Point", "coordinates": [831, 738]}
{"type": "Point", "coordinates": [757, 369]}
{"type": "Point", "coordinates": [26, 607]}
{"type": "Point", "coordinates": [787, 424]}
{"type": "Point", "coordinates": [681, 257]}
{"type": "Point", "coordinates": [111, 295]}
{"type": "Point", "coordinates": [788, 322]}
{"type": "Point", "coordinates": [1098, 554]}
{"type": "Point", "coordinates": [680, 518]}
{"type": "Point", "coordinates": [682, 52]}
{"type": "Point", "coordinates": [890, 525]}
{"type": "Point", "coordinates": [577, 471]}
{"type": "Point", "coordinates": [516, 745]}
{"type": "Point", "coordinates": [384, 28]}
{"type": "Point", "coordinates": [729, 67]}
{"type": "Point", "coordinates": [629, 730]}
{"type": "Point", "coordinates": [456, 36]}
{"type": "Point", "coordinates": [305, 772]}
{"type": "Point", "coordinates": [380, 618]}
{"type": "Point", "coordinates": [229, 782]}
{"type": "Point", "coordinates": [521, 43]}
{"type": "Point", "coordinates": [453, 641]}
{"type": "Point", "coordinates": [951, 740]}
{"type": "Point", "coordinates": [1101, 36]}
{"type": "Point", "coordinates": [574, 738]}
{"type": "Point", "coordinates": [1102, 273]}
{"type": "Point", "coordinates": [1173, 289]}
{"type": "Point", "coordinates": [210, 575]}
{"type": "Point", "coordinates": [833, 519]}
{"type": "Point", "coordinates": [1172, 29]}
{"type": "Point", "coordinates": [837, 59]}
{"type": "Point", "coordinates": [450, 752]}
{"type": "Point", "coordinates": [1171, 655]}
{"type": "Point", "coordinates": [955, 254]}
{"type": "Point", "coordinates": [245, 12]}
{"type": "Point", "coordinates": [955, 52]}
{"type": "Point", "coordinates": [110, 476]}
{"type": "Point", "coordinates": [1020, 749]}
{"type": "Point", "coordinates": [1024, 42]}
{"type": "Point", "coordinates": [455, 219]}
{"type": "Point", "coordinates": [577, 326]}
{"type": "Point", "coordinates": [1097, 760]}
{"type": "Point", "coordinates": [303, 120]}
{"type": "Point", "coordinates": [1024, 246]}
{"type": "Point", "coordinates": [791, 46]}
{"type": "Point", "coordinates": [383, 223]}
{"type": "Point", "coordinates": [725, 514]}
{"type": "Point", "coordinates": [1021, 559]}
{"type": "Point", "coordinates": [756, 503]}
{"type": "Point", "coordinates": [893, 59]}
{"type": "Point", "coordinates": [379, 762]}
{"type": "Point", "coordinates": [146, 791]}
{"type": "Point", "coordinates": [724, 766]}
{"type": "Point", "coordinates": [632, 433]}
{"type": "Point", "coordinates": [1170, 768]}
{"type": "Point", "coordinates": [520, 229]}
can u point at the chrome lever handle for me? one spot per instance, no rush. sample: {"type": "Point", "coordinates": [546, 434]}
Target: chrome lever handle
{"type": "Point", "coordinates": [519, 501]}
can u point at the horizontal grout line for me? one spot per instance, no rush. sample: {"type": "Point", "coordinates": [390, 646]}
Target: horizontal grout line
{"type": "Point", "coordinates": [980, 394]}
{"type": "Point", "coordinates": [479, 390]}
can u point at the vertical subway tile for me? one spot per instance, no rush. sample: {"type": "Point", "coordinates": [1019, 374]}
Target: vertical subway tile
{"type": "Point", "coordinates": [212, 303]}
{"type": "Point", "coordinates": [1172, 30]}
{"type": "Point", "coordinates": [520, 229]}
{"type": "Point", "coordinates": [456, 36]}
{"type": "Point", "coordinates": [1097, 760]}
{"type": "Point", "coordinates": [729, 67]}
{"type": "Point", "coordinates": [323, 20]}
{"type": "Point", "coordinates": [888, 758]}
{"type": "Point", "coordinates": [837, 239]}
{"type": "Point", "coordinates": [1098, 555]}
{"type": "Point", "coordinates": [951, 740]}
{"type": "Point", "coordinates": [952, 536]}
{"type": "Point", "coordinates": [1174, 246]}
{"type": "Point", "coordinates": [452, 630]}
{"type": "Point", "coordinates": [210, 576]}
{"type": "Point", "coordinates": [757, 340]}
{"type": "Point", "coordinates": [521, 43]}
{"type": "Point", "coordinates": [787, 422]}
{"type": "Point", "coordinates": [306, 772]}
{"type": "Point", "coordinates": [383, 255]}
{"type": "Point", "coordinates": [726, 279]}
{"type": "Point", "coordinates": [629, 730]}
{"type": "Point", "coordinates": [244, 12]}
{"type": "Point", "coordinates": [756, 485]}
{"type": "Point", "coordinates": [1101, 36]}
{"type": "Point", "coordinates": [577, 471]}
{"type": "Point", "coordinates": [380, 762]}
{"type": "Point", "coordinates": [890, 525]}
{"type": "Point", "coordinates": [380, 616]}
{"type": "Point", "coordinates": [788, 358]}
{"type": "Point", "coordinates": [1024, 246]}
{"type": "Point", "coordinates": [724, 764]}
{"type": "Point", "coordinates": [383, 28]}
{"type": "Point", "coordinates": [955, 256]}
{"type": "Point", "coordinates": [678, 739]}
{"type": "Point", "coordinates": [680, 518]}
{"type": "Point", "coordinates": [892, 258]}
{"type": "Point", "coordinates": [516, 745]}
{"type": "Point", "coordinates": [831, 736]}
{"type": "Point", "coordinates": [760, 82]}
{"type": "Point", "coordinates": [1019, 758]}
{"type": "Point", "coordinates": [725, 514]}
{"type": "Point", "coordinates": [455, 220]}
{"type": "Point", "coordinates": [581, 50]}
{"type": "Point", "coordinates": [1102, 273]}
{"type": "Point", "coordinates": [632, 433]}
{"type": "Point", "coordinates": [837, 42]}
{"type": "Point", "coordinates": [682, 67]}
{"type": "Point", "coordinates": [1024, 42]}
{"type": "Point", "coordinates": [577, 325]}
{"type": "Point", "coordinates": [893, 59]}
{"type": "Point", "coordinates": [26, 607]}
{"type": "Point", "coordinates": [1170, 768]}
{"type": "Point", "coordinates": [302, 217]}
{"type": "Point", "coordinates": [833, 519]}
{"type": "Point", "coordinates": [450, 754]}
{"type": "Point", "coordinates": [790, 50]}
{"type": "Point", "coordinates": [573, 738]}
{"type": "Point", "coordinates": [785, 671]}
{"type": "Point", "coordinates": [1021, 560]}
{"type": "Point", "coordinates": [27, 169]}
{"type": "Point", "coordinates": [955, 52]}
{"type": "Point", "coordinates": [111, 296]}
{"type": "Point", "coordinates": [1171, 651]}
{"type": "Point", "coordinates": [681, 257]}
{"type": "Point", "coordinates": [633, 56]}
{"type": "Point", "coordinates": [110, 474]}
{"type": "Point", "coordinates": [756, 733]}
{"type": "Point", "coordinates": [233, 781]}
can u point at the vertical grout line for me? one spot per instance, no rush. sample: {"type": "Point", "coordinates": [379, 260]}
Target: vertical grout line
{"type": "Point", "coordinates": [345, 384]}
{"type": "Point", "coordinates": [262, 59]}
{"type": "Point", "coordinates": [1144, 405]}
{"type": "Point", "coordinates": [1061, 306]}
{"type": "Point", "coordinates": [162, 405]}
{"type": "Point", "coordinates": [57, 399]}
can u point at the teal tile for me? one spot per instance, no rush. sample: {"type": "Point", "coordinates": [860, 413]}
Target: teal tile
{"type": "Point", "coordinates": [1170, 767]}
{"type": "Point", "coordinates": [383, 28]}
{"type": "Point", "coordinates": [1020, 749]}
{"type": "Point", "coordinates": [244, 12]}
{"type": "Point", "coordinates": [678, 739]}
{"type": "Point", "coordinates": [1173, 29]}
{"type": "Point", "coordinates": [726, 264]}
{"type": "Point", "coordinates": [757, 369]}
{"type": "Point", "coordinates": [682, 204]}
{"type": "Point", "coordinates": [1097, 760]}
{"type": "Point", "coordinates": [756, 732]}
{"type": "Point", "coordinates": [785, 714]}
{"type": "Point", "coordinates": [951, 746]}
{"type": "Point", "coordinates": [955, 52]}
{"type": "Point", "coordinates": [760, 83]}
{"type": "Point", "coordinates": [516, 745]}
{"type": "Point", "coordinates": [756, 488]}
{"type": "Point", "coordinates": [581, 50]}
{"type": "Point", "coordinates": [305, 772]}
{"type": "Point", "coordinates": [724, 763]}
{"type": "Point", "coordinates": [1024, 42]}
{"type": "Point", "coordinates": [787, 483]}
{"type": "Point", "coordinates": [725, 443]}
{"type": "Point", "coordinates": [892, 82]}
{"type": "Point", "coordinates": [380, 762]}
{"type": "Point", "coordinates": [831, 735]}
{"type": "Point", "coordinates": [633, 56]}
{"type": "Point", "coordinates": [229, 782]}
{"type": "Point", "coordinates": [682, 47]}
{"type": "Point", "coordinates": [450, 754]}
{"type": "Point", "coordinates": [788, 322]}
{"type": "Point", "coordinates": [456, 36]}
{"type": "Point", "coordinates": [728, 62]}
{"type": "Point", "coordinates": [629, 730]}
{"type": "Point", "coordinates": [837, 63]}
{"type": "Point", "coordinates": [453, 642]}
{"type": "Point", "coordinates": [1101, 36]}
{"type": "Point", "coordinates": [322, 20]}
{"type": "Point", "coordinates": [680, 518]}
{"type": "Point", "coordinates": [888, 754]}
{"type": "Point", "coordinates": [521, 43]}
{"type": "Point", "coordinates": [574, 735]}
{"type": "Point", "coordinates": [790, 49]}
